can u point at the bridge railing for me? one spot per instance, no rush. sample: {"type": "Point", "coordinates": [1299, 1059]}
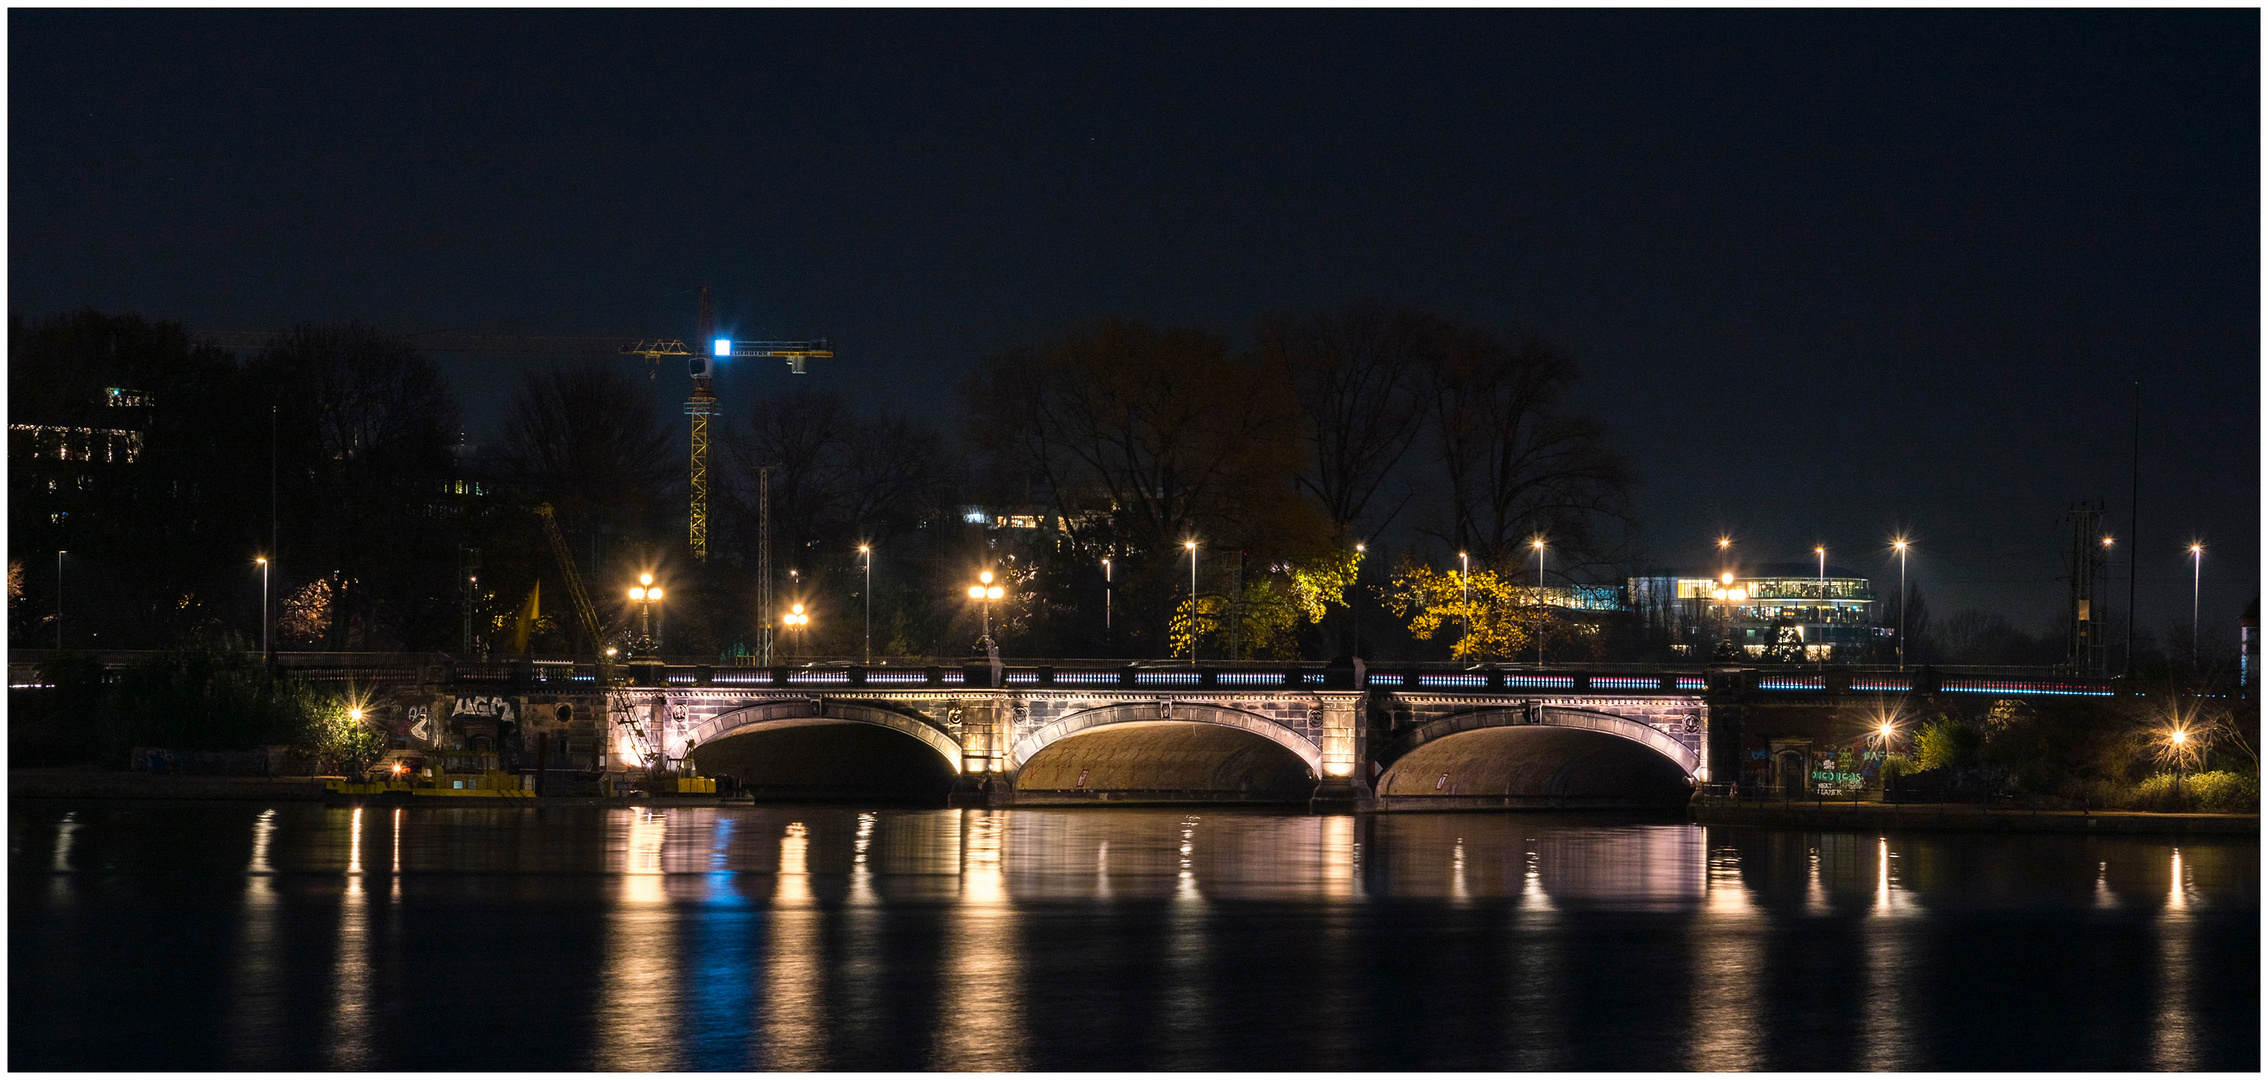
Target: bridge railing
{"type": "Point", "coordinates": [568, 674]}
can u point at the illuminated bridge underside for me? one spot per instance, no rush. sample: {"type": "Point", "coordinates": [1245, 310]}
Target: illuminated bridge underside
{"type": "Point", "coordinates": [1536, 757]}
{"type": "Point", "coordinates": [1164, 761]}
{"type": "Point", "coordinates": [1055, 745]}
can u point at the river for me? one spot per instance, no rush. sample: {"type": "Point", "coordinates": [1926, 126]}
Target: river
{"type": "Point", "coordinates": [146, 935]}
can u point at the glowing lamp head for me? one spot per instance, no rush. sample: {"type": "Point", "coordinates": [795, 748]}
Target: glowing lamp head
{"type": "Point", "coordinates": [976, 592]}
{"type": "Point", "coordinates": [645, 579]}
{"type": "Point", "coordinates": [2179, 737]}
{"type": "Point", "coordinates": [985, 577]}
{"type": "Point", "coordinates": [724, 346]}
{"type": "Point", "coordinates": [1886, 730]}
{"type": "Point", "coordinates": [2106, 541]}
{"type": "Point", "coordinates": [653, 593]}
{"type": "Point", "coordinates": [1819, 551]}
{"type": "Point", "coordinates": [1898, 545]}
{"type": "Point", "coordinates": [1537, 544]}
{"type": "Point", "coordinates": [1190, 544]}
{"type": "Point", "coordinates": [2196, 549]}
{"type": "Point", "coordinates": [1727, 578]}
{"type": "Point", "coordinates": [992, 593]}
{"type": "Point", "coordinates": [261, 561]}
{"type": "Point", "coordinates": [1719, 594]}
{"type": "Point", "coordinates": [1724, 542]}
{"type": "Point", "coordinates": [1359, 549]}
{"type": "Point", "coordinates": [862, 549]}
{"type": "Point", "coordinates": [637, 593]}
{"type": "Point", "coordinates": [798, 609]}
{"type": "Point", "coordinates": [1736, 595]}
{"type": "Point", "coordinates": [610, 650]}
{"type": "Point", "coordinates": [354, 713]}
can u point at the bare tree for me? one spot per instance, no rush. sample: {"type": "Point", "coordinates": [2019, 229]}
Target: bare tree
{"type": "Point", "coordinates": [1141, 433]}
{"type": "Point", "coordinates": [584, 438]}
{"type": "Point", "coordinates": [1355, 377]}
{"type": "Point", "coordinates": [374, 420]}
{"type": "Point", "coordinates": [1517, 465]}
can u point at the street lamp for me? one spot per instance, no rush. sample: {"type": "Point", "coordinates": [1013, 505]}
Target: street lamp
{"type": "Point", "coordinates": [1538, 543]}
{"type": "Point", "coordinates": [646, 593]}
{"type": "Point", "coordinates": [985, 592]}
{"type": "Point", "coordinates": [869, 639]}
{"type": "Point", "coordinates": [1822, 550]}
{"type": "Point", "coordinates": [2196, 584]}
{"type": "Point", "coordinates": [1191, 545]}
{"type": "Point", "coordinates": [59, 600]}
{"type": "Point", "coordinates": [797, 621]}
{"type": "Point", "coordinates": [1356, 607]}
{"type": "Point", "coordinates": [1106, 590]}
{"type": "Point", "coordinates": [1465, 591]}
{"type": "Point", "coordinates": [1900, 546]}
{"type": "Point", "coordinates": [263, 561]}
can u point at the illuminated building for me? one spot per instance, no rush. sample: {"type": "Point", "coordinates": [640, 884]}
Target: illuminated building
{"type": "Point", "coordinates": [1785, 611]}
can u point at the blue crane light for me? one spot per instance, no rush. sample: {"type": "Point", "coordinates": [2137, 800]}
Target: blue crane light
{"type": "Point", "coordinates": [724, 346]}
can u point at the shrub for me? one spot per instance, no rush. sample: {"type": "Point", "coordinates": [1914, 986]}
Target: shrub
{"type": "Point", "coordinates": [2214, 791]}
{"type": "Point", "coordinates": [1947, 742]}
{"type": "Point", "coordinates": [2224, 791]}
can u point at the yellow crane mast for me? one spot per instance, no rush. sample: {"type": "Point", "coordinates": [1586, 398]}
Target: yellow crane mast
{"type": "Point", "coordinates": [702, 402]}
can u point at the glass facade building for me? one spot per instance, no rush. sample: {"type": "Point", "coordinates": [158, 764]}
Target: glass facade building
{"type": "Point", "coordinates": [1786, 611]}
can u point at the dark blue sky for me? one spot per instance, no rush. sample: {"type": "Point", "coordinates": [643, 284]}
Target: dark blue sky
{"type": "Point", "coordinates": [1830, 275]}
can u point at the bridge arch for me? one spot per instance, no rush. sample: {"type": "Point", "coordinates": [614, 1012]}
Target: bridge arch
{"type": "Point", "coordinates": [1028, 747]}
{"type": "Point", "coordinates": [819, 749]}
{"type": "Point", "coordinates": [1535, 755]}
{"type": "Point", "coordinates": [1559, 716]}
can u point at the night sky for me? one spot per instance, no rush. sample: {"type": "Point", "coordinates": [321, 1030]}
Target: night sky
{"type": "Point", "coordinates": [1830, 276]}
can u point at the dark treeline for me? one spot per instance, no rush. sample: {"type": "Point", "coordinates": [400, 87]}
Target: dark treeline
{"type": "Point", "coordinates": [1119, 440]}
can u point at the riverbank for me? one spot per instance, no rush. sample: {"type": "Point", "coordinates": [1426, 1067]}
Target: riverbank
{"type": "Point", "coordinates": [94, 784]}
{"type": "Point", "coordinates": [1965, 817]}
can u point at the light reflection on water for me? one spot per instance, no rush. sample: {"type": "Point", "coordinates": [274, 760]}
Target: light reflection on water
{"type": "Point", "coordinates": [796, 938]}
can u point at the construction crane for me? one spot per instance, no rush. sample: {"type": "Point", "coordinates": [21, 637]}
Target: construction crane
{"type": "Point", "coordinates": [700, 405]}
{"type": "Point", "coordinates": [585, 612]}
{"type": "Point", "coordinates": [702, 402]}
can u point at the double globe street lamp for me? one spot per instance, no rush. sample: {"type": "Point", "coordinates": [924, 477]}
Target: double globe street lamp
{"type": "Point", "coordinates": [646, 593]}
{"type": "Point", "coordinates": [985, 592]}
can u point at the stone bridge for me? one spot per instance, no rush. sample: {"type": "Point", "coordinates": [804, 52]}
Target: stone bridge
{"type": "Point", "coordinates": [1405, 737]}
{"type": "Point", "coordinates": [1050, 735]}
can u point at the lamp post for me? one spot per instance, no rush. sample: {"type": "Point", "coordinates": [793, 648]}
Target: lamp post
{"type": "Point", "coordinates": [868, 552]}
{"type": "Point", "coordinates": [263, 561]}
{"type": "Point", "coordinates": [646, 593]}
{"type": "Point", "coordinates": [59, 600]}
{"type": "Point", "coordinates": [1822, 550]}
{"type": "Point", "coordinates": [1191, 545]}
{"type": "Point", "coordinates": [1465, 591]}
{"type": "Point", "coordinates": [1900, 546]}
{"type": "Point", "coordinates": [1106, 596]}
{"type": "Point", "coordinates": [1731, 595]}
{"type": "Point", "coordinates": [1356, 607]}
{"type": "Point", "coordinates": [2196, 584]}
{"type": "Point", "coordinates": [797, 621]}
{"type": "Point", "coordinates": [1539, 546]}
{"type": "Point", "coordinates": [985, 592]}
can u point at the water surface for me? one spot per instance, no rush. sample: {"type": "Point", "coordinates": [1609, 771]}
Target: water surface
{"type": "Point", "coordinates": [241, 936]}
